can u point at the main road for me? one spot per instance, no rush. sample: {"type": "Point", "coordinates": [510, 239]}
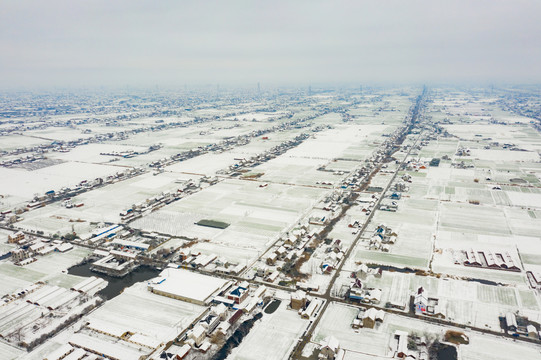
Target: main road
{"type": "Point", "coordinates": [296, 353]}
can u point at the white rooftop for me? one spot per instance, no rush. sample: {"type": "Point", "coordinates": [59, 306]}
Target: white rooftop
{"type": "Point", "coordinates": [187, 284]}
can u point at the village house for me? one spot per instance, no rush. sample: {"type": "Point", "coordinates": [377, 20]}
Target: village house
{"type": "Point", "coordinates": [312, 308]}
{"type": "Point", "coordinates": [511, 322]}
{"type": "Point", "coordinates": [219, 310]}
{"type": "Point", "coordinates": [271, 259]}
{"type": "Point", "coordinates": [330, 349]}
{"type": "Point", "coordinates": [388, 205]}
{"type": "Point", "coordinates": [221, 331]}
{"type": "Point", "coordinates": [362, 272]}
{"type": "Point", "coordinates": [183, 352]}
{"type": "Point", "coordinates": [532, 331]}
{"type": "Point", "coordinates": [18, 255]}
{"type": "Point", "coordinates": [210, 322]}
{"type": "Point", "coordinates": [298, 300]}
{"type": "Point", "coordinates": [16, 238]}
{"type": "Point", "coordinates": [371, 316]}
{"type": "Point", "coordinates": [372, 296]}
{"type": "Point", "coordinates": [400, 344]}
{"type": "Point", "coordinates": [37, 246]}
{"type": "Point", "coordinates": [430, 306]}
{"type": "Point", "coordinates": [198, 334]}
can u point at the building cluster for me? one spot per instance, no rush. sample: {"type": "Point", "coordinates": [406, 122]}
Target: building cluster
{"type": "Point", "coordinates": [283, 256]}
{"type": "Point", "coordinates": [153, 203]}
{"type": "Point", "coordinates": [390, 203]}
{"type": "Point", "coordinates": [368, 318]}
{"type": "Point", "coordinates": [66, 194]}
{"type": "Point", "coordinates": [224, 145]}
{"type": "Point", "coordinates": [404, 346]}
{"type": "Point", "coordinates": [367, 202]}
{"type": "Point", "coordinates": [207, 262]}
{"type": "Point", "coordinates": [116, 263]}
{"type": "Point", "coordinates": [102, 233]}
{"type": "Point", "coordinates": [243, 164]}
{"type": "Point", "coordinates": [216, 324]}
{"type": "Point", "coordinates": [416, 165]}
{"type": "Point", "coordinates": [106, 237]}
{"type": "Point", "coordinates": [22, 160]}
{"type": "Point", "coordinates": [68, 145]}
{"type": "Point", "coordinates": [29, 248]}
{"type": "Point", "coordinates": [130, 153]}
{"type": "Point", "coordinates": [358, 292]}
{"type": "Point", "coordinates": [333, 255]}
{"type": "Point", "coordinates": [306, 305]}
{"type": "Point", "coordinates": [358, 177]}
{"type": "Point", "coordinates": [382, 238]}
{"type": "Point", "coordinates": [518, 325]}
{"type": "Point", "coordinates": [228, 301]}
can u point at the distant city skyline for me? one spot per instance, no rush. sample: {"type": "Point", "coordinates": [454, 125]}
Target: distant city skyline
{"type": "Point", "coordinates": [240, 43]}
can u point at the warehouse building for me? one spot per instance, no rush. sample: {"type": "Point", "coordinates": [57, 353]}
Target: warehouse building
{"type": "Point", "coordinates": [187, 286]}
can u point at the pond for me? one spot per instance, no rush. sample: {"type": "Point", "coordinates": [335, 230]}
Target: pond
{"type": "Point", "coordinates": [116, 285]}
{"type": "Point", "coordinates": [272, 306]}
{"type": "Point", "coordinates": [447, 352]}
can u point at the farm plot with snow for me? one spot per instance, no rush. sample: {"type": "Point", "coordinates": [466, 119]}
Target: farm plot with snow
{"type": "Point", "coordinates": [46, 267]}
{"type": "Point", "coordinates": [257, 216]}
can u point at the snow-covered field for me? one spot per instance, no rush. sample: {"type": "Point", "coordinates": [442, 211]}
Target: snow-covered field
{"type": "Point", "coordinates": [278, 331]}
{"type": "Point", "coordinates": [13, 277]}
{"type": "Point", "coordinates": [24, 183]}
{"type": "Point", "coordinates": [257, 216]}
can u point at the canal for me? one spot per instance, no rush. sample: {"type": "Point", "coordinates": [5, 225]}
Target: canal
{"type": "Point", "coordinates": [116, 285]}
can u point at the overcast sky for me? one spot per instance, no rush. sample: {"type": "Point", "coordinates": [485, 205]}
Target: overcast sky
{"type": "Point", "coordinates": [172, 43]}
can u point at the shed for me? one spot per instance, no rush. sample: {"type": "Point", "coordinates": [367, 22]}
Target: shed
{"type": "Point", "coordinates": [511, 321]}
{"type": "Point", "coordinates": [532, 331]}
{"type": "Point", "coordinates": [184, 350]}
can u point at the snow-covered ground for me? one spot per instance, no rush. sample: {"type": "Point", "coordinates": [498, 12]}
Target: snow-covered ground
{"type": "Point", "coordinates": [278, 331]}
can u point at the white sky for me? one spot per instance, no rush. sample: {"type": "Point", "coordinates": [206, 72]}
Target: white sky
{"type": "Point", "coordinates": [172, 43]}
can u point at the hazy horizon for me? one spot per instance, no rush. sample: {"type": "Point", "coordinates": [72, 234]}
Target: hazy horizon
{"type": "Point", "coordinates": [240, 43]}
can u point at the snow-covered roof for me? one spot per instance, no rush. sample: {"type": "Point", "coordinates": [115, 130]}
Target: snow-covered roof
{"type": "Point", "coordinates": [60, 352]}
{"type": "Point", "coordinates": [145, 340]}
{"type": "Point", "coordinates": [99, 346]}
{"type": "Point", "coordinates": [189, 285]}
{"type": "Point", "coordinates": [64, 247]}
{"type": "Point", "coordinates": [331, 342]}
{"type": "Point", "coordinates": [198, 331]}
{"type": "Point", "coordinates": [106, 327]}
